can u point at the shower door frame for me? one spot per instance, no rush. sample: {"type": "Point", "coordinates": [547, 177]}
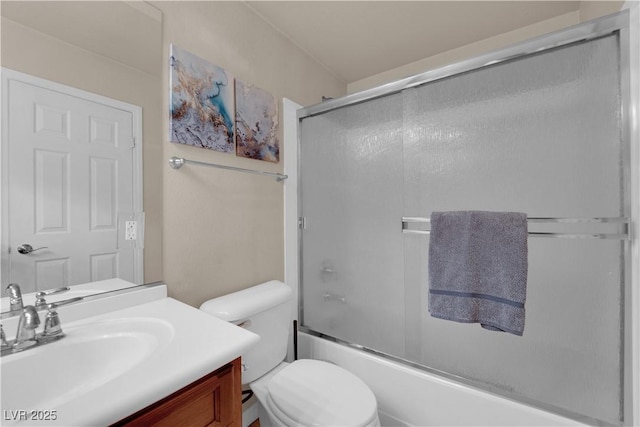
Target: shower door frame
{"type": "Point", "coordinates": [630, 332]}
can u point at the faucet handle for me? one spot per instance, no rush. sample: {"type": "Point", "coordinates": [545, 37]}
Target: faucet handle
{"type": "Point", "coordinates": [40, 301]}
{"type": "Point", "coordinates": [53, 305]}
{"type": "Point", "coordinates": [52, 327]}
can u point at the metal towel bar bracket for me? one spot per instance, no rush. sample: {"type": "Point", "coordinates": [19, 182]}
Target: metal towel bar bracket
{"type": "Point", "coordinates": [177, 162]}
{"type": "Point", "coordinates": [622, 221]}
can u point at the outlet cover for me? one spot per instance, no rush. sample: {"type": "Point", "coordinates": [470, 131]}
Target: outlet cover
{"type": "Point", "coordinates": [130, 230]}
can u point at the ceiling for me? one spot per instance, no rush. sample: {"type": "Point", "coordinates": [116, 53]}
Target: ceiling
{"type": "Point", "coordinates": [352, 39]}
{"type": "Point", "coordinates": [358, 39]}
{"type": "Point", "coordinates": [129, 32]}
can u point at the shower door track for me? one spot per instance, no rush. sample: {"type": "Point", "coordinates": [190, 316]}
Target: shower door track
{"type": "Point", "coordinates": [477, 385]}
{"type": "Point", "coordinates": [578, 33]}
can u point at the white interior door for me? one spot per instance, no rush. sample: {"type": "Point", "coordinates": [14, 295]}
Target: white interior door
{"type": "Point", "coordinates": [70, 172]}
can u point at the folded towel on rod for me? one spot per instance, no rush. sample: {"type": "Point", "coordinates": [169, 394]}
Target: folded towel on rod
{"type": "Point", "coordinates": [478, 268]}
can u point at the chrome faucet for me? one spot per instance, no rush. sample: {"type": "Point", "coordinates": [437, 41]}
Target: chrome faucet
{"type": "Point", "coordinates": [15, 297]}
{"type": "Point", "coordinates": [27, 325]}
{"type": "Point", "coordinates": [26, 337]}
{"type": "Point", "coordinates": [3, 339]}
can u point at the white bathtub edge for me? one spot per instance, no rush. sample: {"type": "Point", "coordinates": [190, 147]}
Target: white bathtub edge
{"type": "Point", "coordinates": [419, 398]}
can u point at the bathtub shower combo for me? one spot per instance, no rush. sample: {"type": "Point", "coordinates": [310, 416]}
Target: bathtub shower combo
{"type": "Point", "coordinates": [541, 128]}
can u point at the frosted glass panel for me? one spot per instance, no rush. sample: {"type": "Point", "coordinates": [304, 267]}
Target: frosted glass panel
{"type": "Point", "coordinates": [540, 134]}
{"type": "Point", "coordinates": [352, 181]}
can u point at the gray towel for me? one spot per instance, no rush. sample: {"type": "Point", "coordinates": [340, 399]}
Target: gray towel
{"type": "Point", "coordinates": [478, 268]}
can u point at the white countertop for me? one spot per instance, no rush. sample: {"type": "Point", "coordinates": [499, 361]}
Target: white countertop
{"type": "Point", "coordinates": [197, 345]}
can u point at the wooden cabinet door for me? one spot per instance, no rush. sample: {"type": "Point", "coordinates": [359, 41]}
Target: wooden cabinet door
{"type": "Point", "coordinates": [214, 400]}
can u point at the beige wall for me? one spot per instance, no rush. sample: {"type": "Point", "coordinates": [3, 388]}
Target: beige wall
{"type": "Point", "coordinates": [595, 9]}
{"type": "Point", "coordinates": [223, 231]}
{"type": "Point", "coordinates": [588, 10]}
{"type": "Point", "coordinates": [208, 232]}
{"type": "Point", "coordinates": [29, 51]}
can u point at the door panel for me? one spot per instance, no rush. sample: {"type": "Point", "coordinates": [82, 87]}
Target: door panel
{"type": "Point", "coordinates": [70, 174]}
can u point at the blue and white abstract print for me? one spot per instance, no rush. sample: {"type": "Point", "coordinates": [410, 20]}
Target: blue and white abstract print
{"type": "Point", "coordinates": [202, 102]}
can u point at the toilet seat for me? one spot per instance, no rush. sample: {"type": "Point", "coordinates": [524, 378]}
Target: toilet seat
{"type": "Point", "coordinates": [317, 393]}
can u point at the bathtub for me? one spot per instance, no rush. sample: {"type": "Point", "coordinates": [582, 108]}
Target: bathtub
{"type": "Point", "coordinates": [412, 397]}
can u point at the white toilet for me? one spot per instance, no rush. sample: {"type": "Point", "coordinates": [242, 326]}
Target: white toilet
{"type": "Point", "coordinates": [301, 393]}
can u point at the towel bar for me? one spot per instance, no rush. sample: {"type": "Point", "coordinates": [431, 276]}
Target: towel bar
{"type": "Point", "coordinates": [177, 162]}
{"type": "Point", "coordinates": [623, 221]}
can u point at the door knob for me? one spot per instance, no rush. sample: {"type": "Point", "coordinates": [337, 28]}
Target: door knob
{"type": "Point", "coordinates": [26, 248]}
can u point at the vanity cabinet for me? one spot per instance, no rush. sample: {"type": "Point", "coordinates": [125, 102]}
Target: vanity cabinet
{"type": "Point", "coordinates": [214, 400]}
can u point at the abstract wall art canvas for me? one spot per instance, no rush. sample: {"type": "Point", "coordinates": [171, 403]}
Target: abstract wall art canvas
{"type": "Point", "coordinates": [256, 123]}
{"type": "Point", "coordinates": [202, 102]}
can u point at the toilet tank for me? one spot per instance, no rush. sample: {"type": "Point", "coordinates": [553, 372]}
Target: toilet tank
{"type": "Point", "coordinates": [263, 309]}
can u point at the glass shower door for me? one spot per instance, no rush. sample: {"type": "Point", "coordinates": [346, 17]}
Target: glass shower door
{"type": "Point", "coordinates": [352, 198]}
{"type": "Point", "coordinates": [541, 134]}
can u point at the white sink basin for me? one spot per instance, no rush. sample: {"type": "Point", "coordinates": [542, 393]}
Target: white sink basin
{"type": "Point", "coordinates": [112, 365]}
{"type": "Point", "coordinates": [88, 357]}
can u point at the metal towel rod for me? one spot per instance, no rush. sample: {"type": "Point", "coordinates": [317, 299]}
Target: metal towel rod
{"type": "Point", "coordinates": [177, 162]}
{"type": "Point", "coordinates": [624, 235]}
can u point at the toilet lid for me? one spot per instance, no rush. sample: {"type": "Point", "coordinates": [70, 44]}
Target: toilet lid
{"type": "Point", "coordinates": [317, 393]}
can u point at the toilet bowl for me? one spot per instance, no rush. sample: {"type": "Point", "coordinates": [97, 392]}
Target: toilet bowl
{"type": "Point", "coordinates": [316, 393]}
{"type": "Point", "coordinates": [302, 393]}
